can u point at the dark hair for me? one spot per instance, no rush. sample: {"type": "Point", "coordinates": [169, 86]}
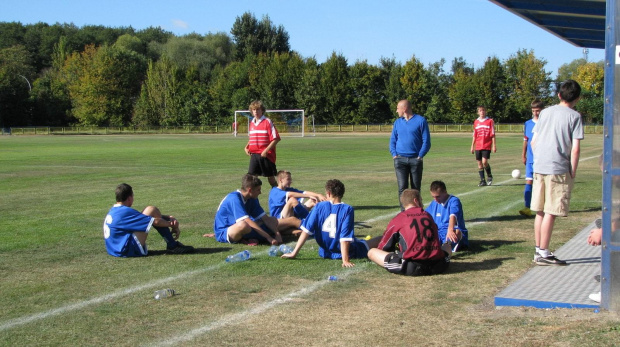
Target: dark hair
{"type": "Point", "coordinates": [537, 103]}
{"type": "Point", "coordinates": [438, 186]}
{"type": "Point", "coordinates": [123, 192]}
{"type": "Point", "coordinates": [408, 195]}
{"type": "Point", "coordinates": [250, 181]}
{"type": "Point", "coordinates": [569, 90]}
{"type": "Point", "coordinates": [335, 188]}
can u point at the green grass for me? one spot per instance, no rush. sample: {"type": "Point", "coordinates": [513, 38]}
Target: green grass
{"type": "Point", "coordinates": [56, 191]}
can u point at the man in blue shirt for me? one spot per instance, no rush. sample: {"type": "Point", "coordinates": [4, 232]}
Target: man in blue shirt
{"type": "Point", "coordinates": [125, 230]}
{"type": "Point", "coordinates": [409, 143]}
{"type": "Point", "coordinates": [447, 212]}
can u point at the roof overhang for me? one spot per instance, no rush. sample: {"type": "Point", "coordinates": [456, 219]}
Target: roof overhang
{"type": "Point", "coordinates": [579, 22]}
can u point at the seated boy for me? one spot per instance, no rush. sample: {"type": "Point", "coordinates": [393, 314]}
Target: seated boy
{"type": "Point", "coordinates": [240, 218]}
{"type": "Point", "coordinates": [285, 201]}
{"type": "Point", "coordinates": [125, 230]}
{"type": "Point", "coordinates": [447, 212]}
{"type": "Point", "coordinates": [331, 224]}
{"type": "Point", "coordinates": [414, 231]}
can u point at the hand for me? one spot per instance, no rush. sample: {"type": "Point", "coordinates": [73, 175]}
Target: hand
{"type": "Point", "coordinates": [291, 255]}
{"type": "Point", "coordinates": [347, 264]}
{"type": "Point", "coordinates": [247, 151]}
{"type": "Point", "coordinates": [451, 235]}
{"type": "Point", "coordinates": [472, 150]}
{"type": "Point", "coordinates": [595, 238]}
{"type": "Point", "coordinates": [524, 160]}
{"type": "Point", "coordinates": [278, 237]}
{"type": "Point", "coordinates": [264, 154]}
{"type": "Point", "coordinates": [274, 242]}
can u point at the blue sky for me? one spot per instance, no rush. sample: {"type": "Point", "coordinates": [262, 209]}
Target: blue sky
{"type": "Point", "coordinates": [359, 30]}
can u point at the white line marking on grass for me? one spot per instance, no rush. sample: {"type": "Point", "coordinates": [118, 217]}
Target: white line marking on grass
{"type": "Point", "coordinates": [240, 317]}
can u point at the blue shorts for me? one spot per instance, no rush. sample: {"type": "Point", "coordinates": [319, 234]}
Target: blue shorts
{"type": "Point", "coordinates": [358, 249]}
{"type": "Point", "coordinates": [133, 248]}
{"type": "Point", "coordinates": [529, 171]}
{"type": "Point", "coordinates": [300, 211]}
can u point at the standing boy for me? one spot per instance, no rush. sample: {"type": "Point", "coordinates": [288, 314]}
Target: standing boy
{"type": "Point", "coordinates": [556, 147]}
{"type": "Point", "coordinates": [482, 144]}
{"type": "Point", "coordinates": [331, 224]}
{"type": "Point", "coordinates": [261, 146]}
{"type": "Point", "coordinates": [414, 231]}
{"type": "Point", "coordinates": [125, 230]}
{"type": "Point", "coordinates": [528, 157]}
{"type": "Point", "coordinates": [447, 212]}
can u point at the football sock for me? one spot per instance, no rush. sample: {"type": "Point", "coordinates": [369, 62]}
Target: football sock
{"type": "Point", "coordinates": [488, 170]}
{"type": "Point", "coordinates": [527, 195]}
{"type": "Point", "coordinates": [481, 173]}
{"type": "Point", "coordinates": [167, 235]}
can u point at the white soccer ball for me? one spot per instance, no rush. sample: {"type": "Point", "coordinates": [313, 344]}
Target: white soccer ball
{"type": "Point", "coordinates": [516, 173]}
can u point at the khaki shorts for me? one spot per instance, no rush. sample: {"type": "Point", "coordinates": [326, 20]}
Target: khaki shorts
{"type": "Point", "coordinates": [551, 193]}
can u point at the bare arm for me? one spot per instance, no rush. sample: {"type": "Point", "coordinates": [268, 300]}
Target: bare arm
{"type": "Point", "coordinates": [493, 144]}
{"type": "Point", "coordinates": [302, 239]}
{"type": "Point", "coordinates": [574, 157]}
{"type": "Point", "coordinates": [260, 230]}
{"type": "Point", "coordinates": [451, 234]}
{"type": "Point", "coordinates": [524, 152]}
{"type": "Point", "coordinates": [344, 249]}
{"type": "Point", "coordinates": [473, 142]}
{"type": "Point", "coordinates": [272, 144]}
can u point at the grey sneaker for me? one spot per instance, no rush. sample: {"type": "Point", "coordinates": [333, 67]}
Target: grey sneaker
{"type": "Point", "coordinates": [536, 257]}
{"type": "Point", "coordinates": [550, 260]}
{"type": "Point", "coordinates": [489, 180]}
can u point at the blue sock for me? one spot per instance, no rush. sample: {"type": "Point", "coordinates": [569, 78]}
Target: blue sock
{"type": "Point", "coordinates": [527, 195]}
{"type": "Point", "coordinates": [167, 235]}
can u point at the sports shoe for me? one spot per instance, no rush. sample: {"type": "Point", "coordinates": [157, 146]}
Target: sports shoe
{"type": "Point", "coordinates": [490, 180]}
{"type": "Point", "coordinates": [526, 212]}
{"type": "Point", "coordinates": [536, 257]}
{"type": "Point", "coordinates": [550, 260]}
{"type": "Point", "coordinates": [595, 297]}
{"type": "Point", "coordinates": [482, 183]}
{"type": "Point", "coordinates": [180, 249]}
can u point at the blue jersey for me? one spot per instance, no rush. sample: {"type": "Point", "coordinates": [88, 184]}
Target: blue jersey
{"type": "Point", "coordinates": [527, 136]}
{"type": "Point", "coordinates": [441, 214]}
{"type": "Point", "coordinates": [277, 200]}
{"type": "Point", "coordinates": [232, 209]}
{"type": "Point", "coordinates": [118, 228]}
{"type": "Point", "coordinates": [329, 224]}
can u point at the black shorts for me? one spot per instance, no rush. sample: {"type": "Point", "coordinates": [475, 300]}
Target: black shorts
{"type": "Point", "coordinates": [483, 153]}
{"type": "Point", "coordinates": [260, 166]}
{"type": "Point", "coordinates": [395, 264]}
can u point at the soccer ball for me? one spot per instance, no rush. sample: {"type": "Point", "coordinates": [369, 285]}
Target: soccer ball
{"type": "Point", "coordinates": [516, 173]}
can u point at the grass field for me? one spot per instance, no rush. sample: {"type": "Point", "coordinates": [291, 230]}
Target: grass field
{"type": "Point", "coordinates": [59, 286]}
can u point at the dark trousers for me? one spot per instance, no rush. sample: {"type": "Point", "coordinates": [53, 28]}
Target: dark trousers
{"type": "Point", "coordinates": [408, 174]}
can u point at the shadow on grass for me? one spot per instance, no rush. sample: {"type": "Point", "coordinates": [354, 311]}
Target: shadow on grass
{"type": "Point", "coordinates": [483, 265]}
{"type": "Point", "coordinates": [196, 251]}
{"type": "Point", "coordinates": [479, 246]}
{"type": "Point", "coordinates": [499, 219]}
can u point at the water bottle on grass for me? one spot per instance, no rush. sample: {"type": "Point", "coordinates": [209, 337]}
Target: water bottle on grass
{"type": "Point", "coordinates": [273, 251]}
{"type": "Point", "coordinates": [163, 293]}
{"type": "Point", "coordinates": [241, 256]}
{"type": "Point", "coordinates": [285, 249]}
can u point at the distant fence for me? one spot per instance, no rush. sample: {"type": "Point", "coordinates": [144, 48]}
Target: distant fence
{"type": "Point", "coordinates": [321, 128]}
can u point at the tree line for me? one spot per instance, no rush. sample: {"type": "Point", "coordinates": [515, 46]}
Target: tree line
{"type": "Point", "coordinates": [60, 74]}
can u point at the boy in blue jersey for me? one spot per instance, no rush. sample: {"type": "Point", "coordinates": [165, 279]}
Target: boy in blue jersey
{"type": "Point", "coordinates": [528, 157]}
{"type": "Point", "coordinates": [447, 212]}
{"type": "Point", "coordinates": [240, 218]}
{"type": "Point", "coordinates": [125, 230]}
{"type": "Point", "coordinates": [284, 200]}
{"type": "Point", "coordinates": [331, 224]}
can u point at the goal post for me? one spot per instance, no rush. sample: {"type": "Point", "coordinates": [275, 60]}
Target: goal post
{"type": "Point", "coordinates": [292, 122]}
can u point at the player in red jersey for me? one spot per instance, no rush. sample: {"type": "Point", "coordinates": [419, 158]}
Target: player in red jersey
{"type": "Point", "coordinates": [482, 144]}
{"type": "Point", "coordinates": [420, 249]}
{"type": "Point", "coordinates": [261, 146]}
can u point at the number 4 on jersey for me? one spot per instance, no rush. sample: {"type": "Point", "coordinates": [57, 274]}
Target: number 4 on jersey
{"type": "Point", "coordinates": [330, 225]}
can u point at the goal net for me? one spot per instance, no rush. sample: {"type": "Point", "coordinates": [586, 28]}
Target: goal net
{"type": "Point", "coordinates": [290, 122]}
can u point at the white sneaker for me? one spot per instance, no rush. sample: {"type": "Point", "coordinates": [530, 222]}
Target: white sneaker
{"type": "Point", "coordinates": [595, 297]}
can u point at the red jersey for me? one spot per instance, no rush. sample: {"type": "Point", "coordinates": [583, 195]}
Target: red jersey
{"type": "Point", "coordinates": [484, 132]}
{"type": "Point", "coordinates": [262, 132]}
{"type": "Point", "coordinates": [416, 233]}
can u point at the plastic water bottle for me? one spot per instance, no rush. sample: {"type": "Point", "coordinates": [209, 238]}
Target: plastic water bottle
{"type": "Point", "coordinates": [285, 249]}
{"type": "Point", "coordinates": [273, 251]}
{"type": "Point", "coordinates": [332, 278]}
{"type": "Point", "coordinates": [163, 293]}
{"type": "Point", "coordinates": [241, 256]}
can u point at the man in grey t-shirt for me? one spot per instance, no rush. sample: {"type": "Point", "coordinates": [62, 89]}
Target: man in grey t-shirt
{"type": "Point", "coordinates": [556, 151]}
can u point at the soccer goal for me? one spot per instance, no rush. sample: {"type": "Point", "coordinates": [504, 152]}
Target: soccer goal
{"type": "Point", "coordinates": [290, 122]}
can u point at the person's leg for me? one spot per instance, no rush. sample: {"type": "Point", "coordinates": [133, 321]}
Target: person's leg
{"type": "Point", "coordinates": [546, 228]}
{"type": "Point", "coordinates": [483, 181]}
{"type": "Point", "coordinates": [288, 209]}
{"type": "Point", "coordinates": [236, 231]}
{"type": "Point", "coordinates": [377, 256]}
{"type": "Point", "coordinates": [272, 181]}
{"type": "Point", "coordinates": [416, 167]}
{"type": "Point", "coordinates": [163, 231]}
{"type": "Point", "coordinates": [374, 242]}
{"type": "Point", "coordinates": [402, 175]}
